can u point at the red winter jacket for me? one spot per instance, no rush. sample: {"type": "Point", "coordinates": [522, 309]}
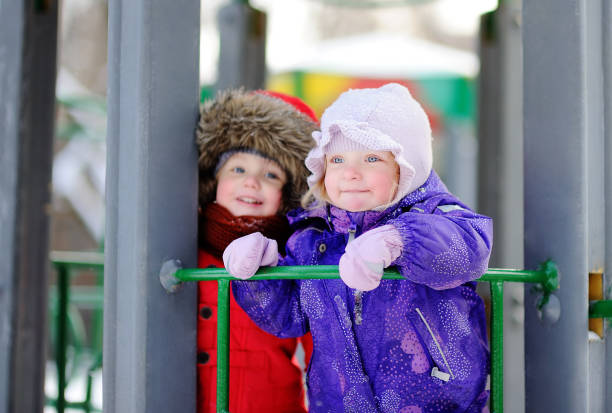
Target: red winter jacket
{"type": "Point", "coordinates": [264, 375]}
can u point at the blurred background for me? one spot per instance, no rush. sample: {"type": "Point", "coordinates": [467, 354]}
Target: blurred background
{"type": "Point", "coordinates": [314, 49]}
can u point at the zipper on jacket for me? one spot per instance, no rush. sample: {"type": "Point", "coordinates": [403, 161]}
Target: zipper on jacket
{"type": "Point", "coordinates": [435, 372]}
{"type": "Point", "coordinates": [358, 310]}
{"type": "Point", "coordinates": [358, 295]}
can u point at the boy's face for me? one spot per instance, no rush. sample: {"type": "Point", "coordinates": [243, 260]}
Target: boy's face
{"type": "Point", "coordinates": [248, 184]}
{"type": "Point", "coordinates": [361, 180]}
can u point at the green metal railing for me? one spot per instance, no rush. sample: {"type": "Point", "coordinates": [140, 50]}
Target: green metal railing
{"type": "Point", "coordinates": [600, 309]}
{"type": "Point", "coordinates": [65, 263]}
{"type": "Point", "coordinates": [545, 278]}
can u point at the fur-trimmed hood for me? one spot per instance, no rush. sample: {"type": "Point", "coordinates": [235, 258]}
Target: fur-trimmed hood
{"type": "Point", "coordinates": [237, 119]}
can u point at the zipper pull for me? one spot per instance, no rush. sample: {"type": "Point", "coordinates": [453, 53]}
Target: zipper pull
{"type": "Point", "coordinates": [351, 231]}
{"type": "Point", "coordinates": [437, 373]}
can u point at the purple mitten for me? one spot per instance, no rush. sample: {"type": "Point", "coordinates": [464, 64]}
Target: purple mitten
{"type": "Point", "coordinates": [361, 266]}
{"type": "Point", "coordinates": [243, 256]}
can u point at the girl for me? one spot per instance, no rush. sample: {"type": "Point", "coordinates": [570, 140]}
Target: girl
{"type": "Point", "coordinates": [412, 345]}
{"type": "Point", "coordinates": [252, 148]}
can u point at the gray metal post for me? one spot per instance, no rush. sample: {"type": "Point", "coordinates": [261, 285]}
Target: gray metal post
{"type": "Point", "coordinates": [607, 96]}
{"type": "Point", "coordinates": [501, 175]}
{"type": "Point", "coordinates": [242, 54]}
{"type": "Point", "coordinates": [150, 335]}
{"type": "Point", "coordinates": [28, 33]}
{"type": "Point", "coordinates": [564, 194]}
{"type": "Point", "coordinates": [500, 133]}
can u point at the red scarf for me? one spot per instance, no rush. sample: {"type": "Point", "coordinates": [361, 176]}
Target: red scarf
{"type": "Point", "coordinates": [218, 227]}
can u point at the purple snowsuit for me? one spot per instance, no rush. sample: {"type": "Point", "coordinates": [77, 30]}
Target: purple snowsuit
{"type": "Point", "coordinates": [409, 346]}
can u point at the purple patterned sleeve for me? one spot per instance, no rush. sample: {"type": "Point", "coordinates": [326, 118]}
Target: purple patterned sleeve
{"type": "Point", "coordinates": [445, 248]}
{"type": "Point", "coordinates": [273, 305]}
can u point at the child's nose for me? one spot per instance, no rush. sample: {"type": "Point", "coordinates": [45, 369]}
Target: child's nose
{"type": "Point", "coordinates": [351, 172]}
{"type": "Point", "coordinates": [251, 181]}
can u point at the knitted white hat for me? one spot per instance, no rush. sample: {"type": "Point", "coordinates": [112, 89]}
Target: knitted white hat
{"type": "Point", "coordinates": [384, 119]}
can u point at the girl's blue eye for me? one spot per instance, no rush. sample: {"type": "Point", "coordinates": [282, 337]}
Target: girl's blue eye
{"type": "Point", "coordinates": [373, 158]}
{"type": "Point", "coordinates": [239, 169]}
{"type": "Point", "coordinates": [272, 175]}
{"type": "Point", "coordinates": [337, 159]}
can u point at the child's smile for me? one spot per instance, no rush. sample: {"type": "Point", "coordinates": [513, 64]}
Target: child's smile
{"type": "Point", "coordinates": [248, 200]}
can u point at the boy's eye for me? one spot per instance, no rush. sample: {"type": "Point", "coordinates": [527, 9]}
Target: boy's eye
{"type": "Point", "coordinates": [336, 159]}
{"type": "Point", "coordinates": [372, 158]}
{"type": "Point", "coordinates": [238, 169]}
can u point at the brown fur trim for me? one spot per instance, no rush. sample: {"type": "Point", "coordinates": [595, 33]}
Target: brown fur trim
{"type": "Point", "coordinates": [238, 119]}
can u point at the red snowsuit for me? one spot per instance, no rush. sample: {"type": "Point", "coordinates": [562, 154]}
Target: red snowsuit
{"type": "Point", "coordinates": [264, 375]}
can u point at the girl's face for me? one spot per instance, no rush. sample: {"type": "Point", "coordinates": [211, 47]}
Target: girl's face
{"type": "Point", "coordinates": [361, 180]}
{"type": "Point", "coordinates": [248, 184]}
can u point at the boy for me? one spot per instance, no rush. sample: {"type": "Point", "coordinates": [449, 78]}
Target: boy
{"type": "Point", "coordinates": [252, 147]}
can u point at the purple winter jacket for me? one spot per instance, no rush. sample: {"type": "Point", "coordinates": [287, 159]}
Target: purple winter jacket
{"type": "Point", "coordinates": [409, 346]}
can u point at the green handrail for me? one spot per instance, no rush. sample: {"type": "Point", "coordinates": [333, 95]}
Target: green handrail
{"type": "Point", "coordinates": [600, 309]}
{"type": "Point", "coordinates": [546, 277]}
{"type": "Point", "coordinates": [63, 263]}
